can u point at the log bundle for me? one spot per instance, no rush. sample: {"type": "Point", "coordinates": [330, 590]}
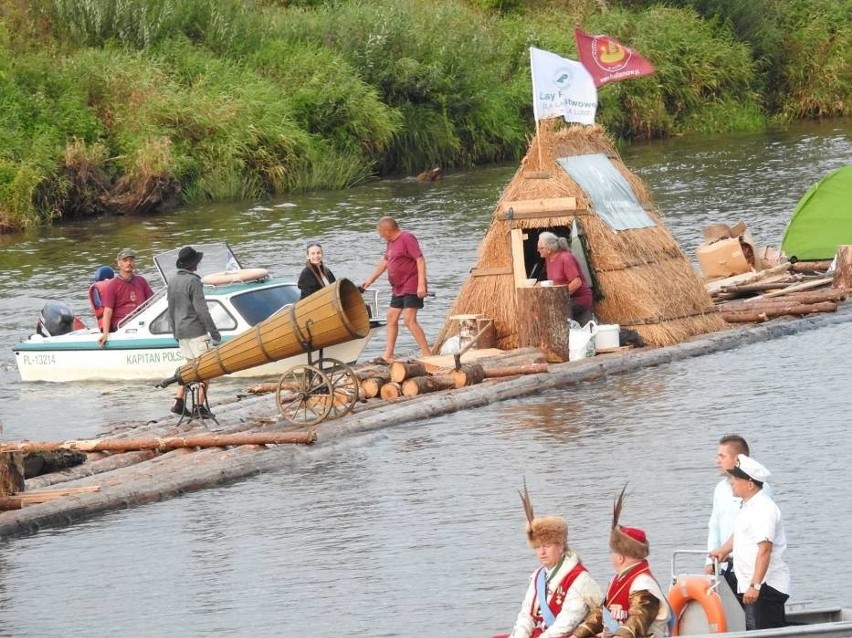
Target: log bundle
{"type": "Point", "coordinates": [787, 290]}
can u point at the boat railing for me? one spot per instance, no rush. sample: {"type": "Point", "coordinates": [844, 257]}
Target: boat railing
{"type": "Point", "coordinates": [695, 552]}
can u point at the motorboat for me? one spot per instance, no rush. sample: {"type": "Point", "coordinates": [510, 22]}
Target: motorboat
{"type": "Point", "coordinates": [63, 349]}
{"type": "Point", "coordinates": [704, 606]}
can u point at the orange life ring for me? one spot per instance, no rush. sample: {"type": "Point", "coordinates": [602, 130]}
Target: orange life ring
{"type": "Point", "coordinates": [697, 589]}
{"type": "Point", "coordinates": [234, 276]}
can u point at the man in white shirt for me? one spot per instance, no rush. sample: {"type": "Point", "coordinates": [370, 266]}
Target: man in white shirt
{"type": "Point", "coordinates": [758, 544]}
{"type": "Point", "coordinates": [726, 506]}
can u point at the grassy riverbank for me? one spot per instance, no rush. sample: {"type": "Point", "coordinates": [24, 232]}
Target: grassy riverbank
{"type": "Point", "coordinates": [138, 105]}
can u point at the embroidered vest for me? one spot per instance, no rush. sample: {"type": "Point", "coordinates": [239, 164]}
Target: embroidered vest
{"type": "Point", "coordinates": [557, 598]}
{"type": "Point", "coordinates": [618, 594]}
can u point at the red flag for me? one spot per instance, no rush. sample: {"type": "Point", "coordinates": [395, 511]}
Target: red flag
{"type": "Point", "coordinates": [608, 60]}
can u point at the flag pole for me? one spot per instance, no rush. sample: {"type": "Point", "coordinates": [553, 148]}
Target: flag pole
{"type": "Point", "coordinates": [535, 112]}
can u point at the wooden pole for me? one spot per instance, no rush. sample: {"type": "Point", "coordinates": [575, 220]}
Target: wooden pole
{"type": "Point", "coordinates": [805, 285]}
{"type": "Point", "coordinates": [759, 314]}
{"type": "Point", "coordinates": [423, 385]}
{"type": "Point", "coordinates": [512, 371]}
{"type": "Point", "coordinates": [11, 472]}
{"type": "Point", "coordinates": [810, 266]}
{"type": "Point", "coordinates": [843, 269]}
{"type": "Point", "coordinates": [165, 443]}
{"type": "Point", "coordinates": [402, 370]}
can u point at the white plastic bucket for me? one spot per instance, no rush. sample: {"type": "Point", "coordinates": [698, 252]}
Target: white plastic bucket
{"type": "Point", "coordinates": [607, 336]}
{"type": "Point", "coordinates": [581, 342]}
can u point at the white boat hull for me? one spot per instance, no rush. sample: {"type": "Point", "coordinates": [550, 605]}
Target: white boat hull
{"type": "Point", "coordinates": [88, 362]}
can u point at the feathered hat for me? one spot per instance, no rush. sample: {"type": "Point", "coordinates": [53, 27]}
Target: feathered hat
{"type": "Point", "coordinates": [543, 529]}
{"type": "Point", "coordinates": [628, 541]}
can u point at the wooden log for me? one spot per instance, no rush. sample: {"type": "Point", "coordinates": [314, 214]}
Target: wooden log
{"type": "Point", "coordinates": [513, 371]}
{"type": "Point", "coordinates": [423, 385]}
{"type": "Point", "coordinates": [402, 370]}
{"type": "Point", "coordinates": [11, 473]}
{"type": "Point", "coordinates": [18, 501]}
{"type": "Point", "coordinates": [373, 372]}
{"type": "Point", "coordinates": [519, 357]}
{"type": "Point", "coordinates": [760, 286]}
{"type": "Point", "coordinates": [542, 318]}
{"type": "Point", "coordinates": [810, 266]}
{"type": "Point", "coordinates": [716, 286]}
{"type": "Point", "coordinates": [805, 285]}
{"type": "Point", "coordinates": [164, 443]}
{"type": "Point", "coordinates": [390, 390]}
{"type": "Point", "coordinates": [843, 270]}
{"type": "Point", "coordinates": [803, 297]}
{"type": "Point", "coordinates": [758, 315]}
{"type": "Point", "coordinates": [468, 374]}
{"type": "Point", "coordinates": [109, 463]}
{"type": "Point", "coordinates": [372, 386]}
{"type": "Point", "coordinates": [262, 388]}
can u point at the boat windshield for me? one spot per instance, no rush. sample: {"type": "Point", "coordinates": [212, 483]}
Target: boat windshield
{"type": "Point", "coordinates": [217, 257]}
{"type": "Point", "coordinates": [258, 304]}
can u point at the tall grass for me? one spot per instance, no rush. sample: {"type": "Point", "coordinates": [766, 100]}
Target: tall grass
{"type": "Point", "coordinates": [103, 100]}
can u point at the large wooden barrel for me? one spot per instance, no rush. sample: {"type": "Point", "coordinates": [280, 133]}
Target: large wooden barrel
{"type": "Point", "coordinates": [335, 314]}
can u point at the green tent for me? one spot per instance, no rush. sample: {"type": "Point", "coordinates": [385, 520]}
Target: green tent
{"type": "Point", "coordinates": [822, 219]}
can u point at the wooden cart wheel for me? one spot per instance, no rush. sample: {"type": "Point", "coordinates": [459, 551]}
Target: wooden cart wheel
{"type": "Point", "coordinates": [304, 395]}
{"type": "Point", "coordinates": [344, 384]}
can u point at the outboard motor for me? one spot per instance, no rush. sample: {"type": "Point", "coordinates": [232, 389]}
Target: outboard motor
{"type": "Point", "coordinates": [56, 318]}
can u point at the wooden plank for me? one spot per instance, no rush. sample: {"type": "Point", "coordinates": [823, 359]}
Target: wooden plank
{"type": "Point", "coordinates": [518, 265]}
{"type": "Point", "coordinates": [538, 207]}
{"type": "Point", "coordinates": [442, 362]}
{"type": "Point", "coordinates": [490, 272]}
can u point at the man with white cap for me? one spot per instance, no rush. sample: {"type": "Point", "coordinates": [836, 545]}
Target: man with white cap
{"type": "Point", "coordinates": [726, 506]}
{"type": "Point", "coordinates": [758, 544]}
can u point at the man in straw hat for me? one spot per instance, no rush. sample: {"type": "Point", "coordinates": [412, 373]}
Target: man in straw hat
{"type": "Point", "coordinates": [635, 604]}
{"type": "Point", "coordinates": [562, 581]}
{"type": "Point", "coordinates": [191, 323]}
{"type": "Point", "coordinates": [758, 544]}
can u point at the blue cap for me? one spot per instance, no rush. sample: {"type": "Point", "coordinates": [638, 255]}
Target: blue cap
{"type": "Point", "coordinates": [104, 272]}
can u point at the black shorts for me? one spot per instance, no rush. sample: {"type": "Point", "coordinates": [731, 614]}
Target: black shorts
{"type": "Point", "coordinates": [406, 301]}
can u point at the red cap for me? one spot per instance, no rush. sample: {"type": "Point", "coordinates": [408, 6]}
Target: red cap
{"type": "Point", "coordinates": [636, 534]}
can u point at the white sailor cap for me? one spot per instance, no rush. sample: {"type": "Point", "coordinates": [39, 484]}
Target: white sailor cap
{"type": "Point", "coordinates": [749, 469]}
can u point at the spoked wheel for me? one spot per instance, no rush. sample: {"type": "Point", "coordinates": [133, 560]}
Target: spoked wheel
{"type": "Point", "coordinates": [304, 395]}
{"type": "Point", "coordinates": [344, 384]}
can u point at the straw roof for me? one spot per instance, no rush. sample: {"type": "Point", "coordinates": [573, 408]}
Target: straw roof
{"type": "Point", "coordinates": [647, 282]}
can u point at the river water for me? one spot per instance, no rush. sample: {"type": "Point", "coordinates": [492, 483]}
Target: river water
{"type": "Point", "coordinates": [418, 530]}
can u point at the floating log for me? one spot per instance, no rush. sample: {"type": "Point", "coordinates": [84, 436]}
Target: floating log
{"type": "Point", "coordinates": [543, 321]}
{"type": "Point", "coordinates": [469, 374]}
{"type": "Point", "coordinates": [512, 371]}
{"type": "Point", "coordinates": [390, 390]}
{"type": "Point", "coordinates": [372, 386]}
{"type": "Point", "coordinates": [758, 315]}
{"type": "Point", "coordinates": [843, 269]}
{"type": "Point", "coordinates": [423, 385]}
{"type": "Point", "coordinates": [810, 266]}
{"type": "Point", "coordinates": [402, 370]}
{"type": "Point", "coordinates": [165, 443]}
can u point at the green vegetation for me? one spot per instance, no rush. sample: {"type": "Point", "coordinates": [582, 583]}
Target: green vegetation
{"type": "Point", "coordinates": [121, 106]}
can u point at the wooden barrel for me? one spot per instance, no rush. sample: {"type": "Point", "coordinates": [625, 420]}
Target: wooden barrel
{"type": "Point", "coordinates": [335, 314]}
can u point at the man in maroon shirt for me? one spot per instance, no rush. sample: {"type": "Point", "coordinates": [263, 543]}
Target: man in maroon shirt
{"type": "Point", "coordinates": [125, 292]}
{"type": "Point", "coordinates": [406, 268]}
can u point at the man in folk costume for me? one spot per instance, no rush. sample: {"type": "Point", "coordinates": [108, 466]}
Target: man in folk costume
{"type": "Point", "coordinates": [562, 581]}
{"type": "Point", "coordinates": [635, 605]}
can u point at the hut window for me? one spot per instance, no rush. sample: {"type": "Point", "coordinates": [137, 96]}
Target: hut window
{"type": "Point", "coordinates": [533, 262]}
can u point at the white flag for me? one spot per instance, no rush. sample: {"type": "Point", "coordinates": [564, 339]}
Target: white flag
{"type": "Point", "coordinates": [562, 87]}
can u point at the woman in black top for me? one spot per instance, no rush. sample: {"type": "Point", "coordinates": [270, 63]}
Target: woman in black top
{"type": "Point", "coordinates": [315, 275]}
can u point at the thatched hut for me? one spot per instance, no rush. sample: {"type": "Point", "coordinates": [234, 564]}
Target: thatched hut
{"type": "Point", "coordinates": [643, 280]}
